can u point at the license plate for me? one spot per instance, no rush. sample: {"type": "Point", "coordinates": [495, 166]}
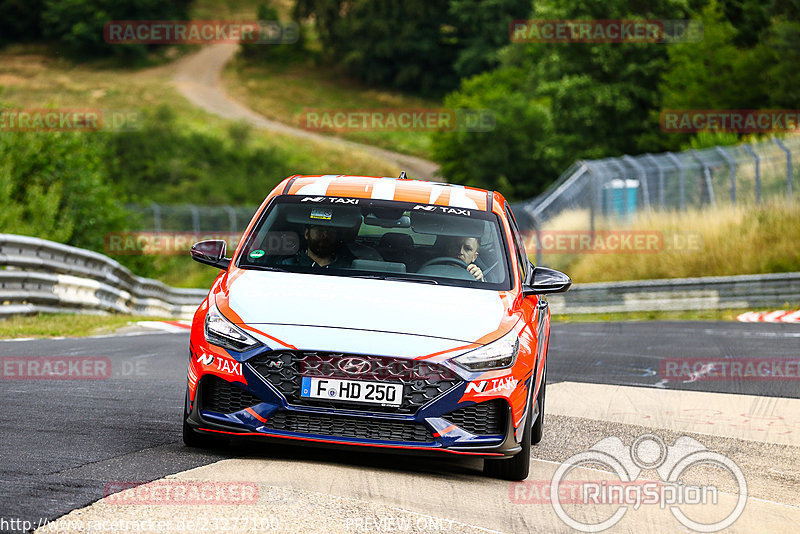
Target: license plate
{"type": "Point", "coordinates": [352, 390]}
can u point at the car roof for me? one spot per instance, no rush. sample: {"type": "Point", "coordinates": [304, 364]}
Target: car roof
{"type": "Point", "coordinates": [383, 188]}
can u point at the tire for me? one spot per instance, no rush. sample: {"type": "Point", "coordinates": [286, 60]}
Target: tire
{"type": "Point", "coordinates": [538, 426]}
{"type": "Point", "coordinates": [516, 467]}
{"type": "Point", "coordinates": [191, 438]}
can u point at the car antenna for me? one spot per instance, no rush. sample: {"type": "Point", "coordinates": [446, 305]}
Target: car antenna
{"type": "Point", "coordinates": [403, 176]}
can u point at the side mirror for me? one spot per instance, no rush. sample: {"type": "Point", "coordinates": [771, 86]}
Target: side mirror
{"type": "Point", "coordinates": [544, 280]}
{"type": "Point", "coordinates": [211, 252]}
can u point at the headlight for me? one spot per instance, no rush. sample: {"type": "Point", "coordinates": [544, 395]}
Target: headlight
{"type": "Point", "coordinates": [222, 332]}
{"type": "Point", "coordinates": [496, 355]}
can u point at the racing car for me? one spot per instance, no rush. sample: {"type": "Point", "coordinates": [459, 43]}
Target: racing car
{"type": "Point", "coordinates": [383, 313]}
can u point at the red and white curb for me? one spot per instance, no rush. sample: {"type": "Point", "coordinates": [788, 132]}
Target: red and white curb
{"type": "Point", "coordinates": [780, 316]}
{"type": "Point", "coordinates": [167, 326]}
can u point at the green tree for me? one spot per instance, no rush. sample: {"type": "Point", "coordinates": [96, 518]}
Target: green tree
{"type": "Point", "coordinates": [78, 24]}
{"type": "Point", "coordinates": [516, 157]}
{"type": "Point", "coordinates": [587, 100]}
{"type": "Point", "coordinates": [54, 186]}
{"type": "Point", "coordinates": [421, 46]}
{"type": "Point", "coordinates": [780, 53]}
{"type": "Point", "coordinates": [20, 20]}
{"type": "Point", "coordinates": [601, 94]}
{"type": "Point", "coordinates": [482, 28]}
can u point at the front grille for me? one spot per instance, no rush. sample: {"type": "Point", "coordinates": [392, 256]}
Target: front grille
{"type": "Point", "coordinates": [481, 419]}
{"type": "Point", "coordinates": [422, 381]}
{"type": "Point", "coordinates": [349, 427]}
{"type": "Point", "coordinates": [221, 396]}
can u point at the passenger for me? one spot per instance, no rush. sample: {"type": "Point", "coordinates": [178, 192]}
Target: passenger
{"type": "Point", "coordinates": [323, 249]}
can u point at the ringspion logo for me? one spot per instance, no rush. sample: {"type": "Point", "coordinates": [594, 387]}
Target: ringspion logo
{"type": "Point", "coordinates": [626, 491]}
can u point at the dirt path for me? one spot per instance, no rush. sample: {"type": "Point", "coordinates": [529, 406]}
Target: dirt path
{"type": "Point", "coordinates": [197, 77]}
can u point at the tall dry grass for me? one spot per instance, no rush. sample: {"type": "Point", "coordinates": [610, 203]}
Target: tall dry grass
{"type": "Point", "coordinates": [710, 242]}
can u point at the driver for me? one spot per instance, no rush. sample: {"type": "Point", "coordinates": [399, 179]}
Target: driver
{"type": "Point", "coordinates": [323, 249]}
{"type": "Point", "coordinates": [466, 250]}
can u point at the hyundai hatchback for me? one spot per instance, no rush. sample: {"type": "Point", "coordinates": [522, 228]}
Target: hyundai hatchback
{"type": "Point", "coordinates": [386, 313]}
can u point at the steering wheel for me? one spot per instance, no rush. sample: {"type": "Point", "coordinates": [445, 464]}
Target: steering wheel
{"type": "Point", "coordinates": [443, 260]}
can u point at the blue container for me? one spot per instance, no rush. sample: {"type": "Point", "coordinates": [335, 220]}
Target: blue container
{"type": "Point", "coordinates": [619, 197]}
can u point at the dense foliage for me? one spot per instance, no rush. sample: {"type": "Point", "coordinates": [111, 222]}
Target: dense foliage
{"type": "Point", "coordinates": [421, 46]}
{"type": "Point", "coordinates": [77, 25]}
{"type": "Point", "coordinates": [72, 187]}
{"type": "Point", "coordinates": [163, 161]}
{"type": "Point", "coordinates": [604, 99]}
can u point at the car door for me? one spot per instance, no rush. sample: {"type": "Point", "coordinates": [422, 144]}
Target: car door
{"type": "Point", "coordinates": [535, 308]}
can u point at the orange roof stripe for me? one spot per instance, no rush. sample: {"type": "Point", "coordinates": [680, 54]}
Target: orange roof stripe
{"type": "Point", "coordinates": [420, 191]}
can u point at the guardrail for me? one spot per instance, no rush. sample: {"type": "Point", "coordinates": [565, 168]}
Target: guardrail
{"type": "Point", "coordinates": [682, 294]}
{"type": "Point", "coordinates": [44, 276]}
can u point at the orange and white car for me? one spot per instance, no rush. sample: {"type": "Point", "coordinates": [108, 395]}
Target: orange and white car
{"type": "Point", "coordinates": [388, 313]}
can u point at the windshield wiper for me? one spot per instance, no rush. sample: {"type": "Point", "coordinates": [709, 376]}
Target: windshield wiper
{"type": "Point", "coordinates": [266, 268]}
{"type": "Point", "coordinates": [417, 280]}
{"type": "Point", "coordinates": [396, 278]}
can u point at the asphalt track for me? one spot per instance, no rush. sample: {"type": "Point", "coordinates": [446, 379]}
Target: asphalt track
{"type": "Point", "coordinates": [64, 441]}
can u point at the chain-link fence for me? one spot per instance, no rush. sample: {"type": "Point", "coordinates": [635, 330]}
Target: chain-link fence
{"type": "Point", "coordinates": [622, 187]}
{"type": "Point", "coordinates": [592, 190]}
{"type": "Point", "coordinates": [191, 218]}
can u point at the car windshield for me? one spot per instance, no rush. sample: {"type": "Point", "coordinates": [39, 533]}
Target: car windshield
{"type": "Point", "coordinates": [378, 238]}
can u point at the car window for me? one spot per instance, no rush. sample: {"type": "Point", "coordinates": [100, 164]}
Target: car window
{"type": "Point", "coordinates": [384, 239]}
{"type": "Point", "coordinates": [522, 255]}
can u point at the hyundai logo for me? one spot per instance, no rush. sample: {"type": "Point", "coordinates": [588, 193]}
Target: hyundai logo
{"type": "Point", "coordinates": [354, 366]}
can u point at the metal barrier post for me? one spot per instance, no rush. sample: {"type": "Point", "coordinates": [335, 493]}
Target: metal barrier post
{"type": "Point", "coordinates": [660, 180]}
{"type": "Point", "coordinates": [707, 175]}
{"type": "Point", "coordinates": [156, 217]}
{"type": "Point", "coordinates": [195, 218]}
{"type": "Point", "coordinates": [732, 167]}
{"type": "Point", "coordinates": [636, 165]}
{"type": "Point", "coordinates": [788, 167]}
{"type": "Point", "coordinates": [231, 218]}
{"type": "Point", "coordinates": [678, 165]}
{"type": "Point", "coordinates": [752, 152]}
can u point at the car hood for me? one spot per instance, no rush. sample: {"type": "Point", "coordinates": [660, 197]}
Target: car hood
{"type": "Point", "coordinates": [337, 302]}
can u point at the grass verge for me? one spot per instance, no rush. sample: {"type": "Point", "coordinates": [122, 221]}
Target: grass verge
{"type": "Point", "coordinates": [66, 325]}
{"type": "Point", "coordinates": [31, 79]}
{"type": "Point", "coordinates": [284, 92]}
